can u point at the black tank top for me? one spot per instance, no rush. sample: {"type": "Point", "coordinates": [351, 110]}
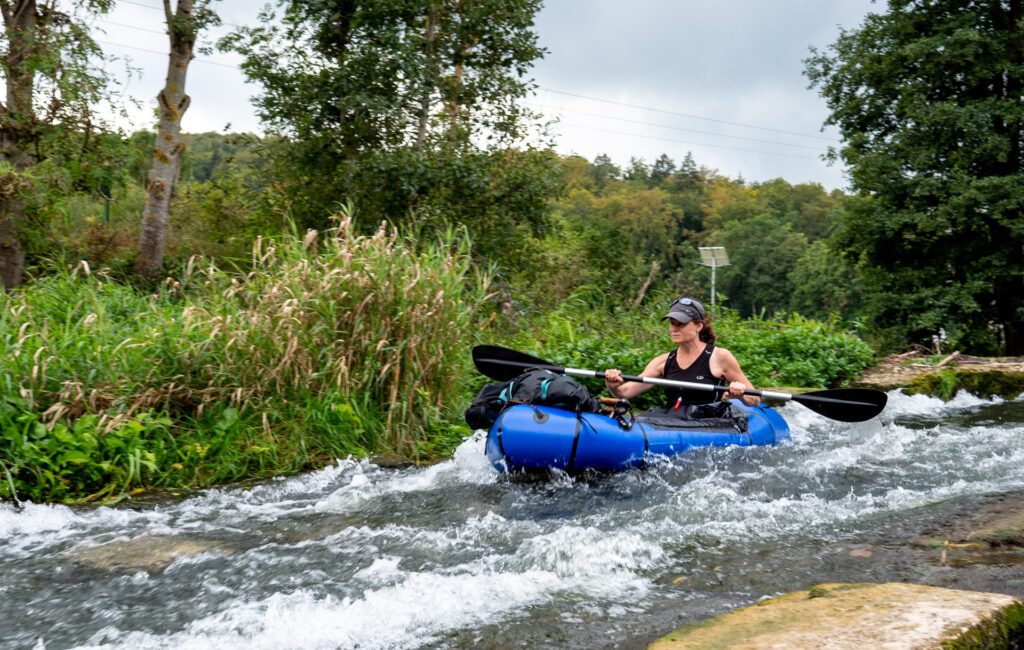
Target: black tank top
{"type": "Point", "coordinates": [699, 372]}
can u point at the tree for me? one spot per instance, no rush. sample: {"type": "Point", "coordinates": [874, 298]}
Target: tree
{"type": "Point", "coordinates": [408, 108]}
{"type": "Point", "coordinates": [638, 171]}
{"type": "Point", "coordinates": [688, 178]}
{"type": "Point", "coordinates": [662, 170]}
{"type": "Point", "coordinates": [929, 98]}
{"type": "Point", "coordinates": [53, 81]}
{"type": "Point", "coordinates": [821, 286]}
{"type": "Point", "coordinates": [183, 26]}
{"type": "Point", "coordinates": [763, 252]}
{"type": "Point", "coordinates": [604, 170]}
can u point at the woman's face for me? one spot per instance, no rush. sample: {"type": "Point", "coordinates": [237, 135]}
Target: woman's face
{"type": "Point", "coordinates": [680, 332]}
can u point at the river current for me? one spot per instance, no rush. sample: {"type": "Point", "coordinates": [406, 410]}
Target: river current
{"type": "Point", "coordinates": [456, 555]}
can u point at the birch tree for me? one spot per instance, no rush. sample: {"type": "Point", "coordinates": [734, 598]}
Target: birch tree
{"type": "Point", "coordinates": [184, 23]}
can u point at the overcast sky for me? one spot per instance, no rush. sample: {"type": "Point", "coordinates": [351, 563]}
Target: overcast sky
{"type": "Point", "coordinates": [722, 79]}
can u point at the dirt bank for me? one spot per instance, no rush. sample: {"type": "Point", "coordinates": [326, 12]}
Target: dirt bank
{"type": "Point", "coordinates": [919, 372]}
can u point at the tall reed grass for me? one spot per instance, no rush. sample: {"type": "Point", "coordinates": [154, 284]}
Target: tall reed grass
{"type": "Point", "coordinates": [333, 343]}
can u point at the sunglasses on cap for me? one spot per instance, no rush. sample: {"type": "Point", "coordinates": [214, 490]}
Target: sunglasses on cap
{"type": "Point", "coordinates": [689, 302]}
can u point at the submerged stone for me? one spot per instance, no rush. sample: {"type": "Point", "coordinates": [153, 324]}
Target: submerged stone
{"type": "Point", "coordinates": [391, 461]}
{"type": "Point", "coordinates": [856, 616]}
{"type": "Point", "coordinates": [147, 553]}
{"type": "Point", "coordinates": [1005, 531]}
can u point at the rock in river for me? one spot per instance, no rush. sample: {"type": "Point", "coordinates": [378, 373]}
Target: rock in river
{"type": "Point", "coordinates": [856, 616]}
{"type": "Point", "coordinates": [146, 553]}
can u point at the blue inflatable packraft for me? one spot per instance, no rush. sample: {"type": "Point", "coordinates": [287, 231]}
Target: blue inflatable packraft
{"type": "Point", "coordinates": [531, 437]}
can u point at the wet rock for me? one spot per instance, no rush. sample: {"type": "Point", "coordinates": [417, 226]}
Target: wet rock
{"type": "Point", "coordinates": [391, 461]}
{"type": "Point", "coordinates": [147, 553]}
{"type": "Point", "coordinates": [892, 615]}
{"type": "Point", "coordinates": [1005, 531]}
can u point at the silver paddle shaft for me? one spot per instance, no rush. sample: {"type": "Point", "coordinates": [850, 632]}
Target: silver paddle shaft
{"type": "Point", "coordinates": [661, 381]}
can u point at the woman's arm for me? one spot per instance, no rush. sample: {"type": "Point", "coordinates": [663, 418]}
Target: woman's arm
{"type": "Point", "coordinates": [628, 390]}
{"type": "Point", "coordinates": [724, 365]}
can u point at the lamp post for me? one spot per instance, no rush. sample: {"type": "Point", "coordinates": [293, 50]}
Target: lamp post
{"type": "Point", "coordinates": [713, 256]}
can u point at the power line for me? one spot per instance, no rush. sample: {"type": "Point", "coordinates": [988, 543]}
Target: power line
{"type": "Point", "coordinates": [141, 29]}
{"type": "Point", "coordinates": [694, 144]}
{"type": "Point", "coordinates": [142, 49]}
{"type": "Point", "coordinates": [144, 6]}
{"type": "Point", "coordinates": [678, 128]}
{"type": "Point", "coordinates": [580, 126]}
{"type": "Point", "coordinates": [694, 117]}
{"type": "Point", "coordinates": [161, 10]}
{"type": "Point", "coordinates": [559, 92]}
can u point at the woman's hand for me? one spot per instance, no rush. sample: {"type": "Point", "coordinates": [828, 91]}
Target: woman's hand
{"type": "Point", "coordinates": [736, 389]}
{"type": "Point", "coordinates": [612, 380]}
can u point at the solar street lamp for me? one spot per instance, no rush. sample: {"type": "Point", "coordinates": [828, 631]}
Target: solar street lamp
{"type": "Point", "coordinates": [713, 256]}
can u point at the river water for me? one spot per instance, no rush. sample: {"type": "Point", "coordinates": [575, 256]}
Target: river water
{"type": "Point", "coordinates": [455, 555]}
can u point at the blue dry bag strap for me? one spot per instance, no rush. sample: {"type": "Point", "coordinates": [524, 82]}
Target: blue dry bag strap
{"type": "Point", "coordinates": [544, 387]}
{"type": "Point", "coordinates": [505, 396]}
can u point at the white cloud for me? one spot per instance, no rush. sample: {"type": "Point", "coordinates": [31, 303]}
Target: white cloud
{"type": "Point", "coordinates": [737, 61]}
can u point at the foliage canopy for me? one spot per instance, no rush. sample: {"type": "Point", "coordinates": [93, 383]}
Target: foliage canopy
{"type": "Point", "coordinates": [409, 109]}
{"type": "Point", "coordinates": [928, 98]}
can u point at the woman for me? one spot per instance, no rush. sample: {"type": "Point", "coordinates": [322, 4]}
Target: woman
{"type": "Point", "coordinates": [695, 360]}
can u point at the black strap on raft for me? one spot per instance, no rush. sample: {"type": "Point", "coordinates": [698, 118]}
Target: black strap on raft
{"type": "Point", "coordinates": [620, 410]}
{"type": "Point", "coordinates": [575, 441]}
{"type": "Point", "coordinates": [501, 447]}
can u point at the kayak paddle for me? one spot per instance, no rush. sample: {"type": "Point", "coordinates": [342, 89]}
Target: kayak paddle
{"type": "Point", "coordinates": [843, 404]}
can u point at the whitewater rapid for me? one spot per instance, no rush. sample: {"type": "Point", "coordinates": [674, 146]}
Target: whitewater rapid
{"type": "Point", "coordinates": [457, 555]}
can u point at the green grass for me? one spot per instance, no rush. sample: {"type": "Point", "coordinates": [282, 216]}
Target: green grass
{"type": "Point", "coordinates": [333, 344]}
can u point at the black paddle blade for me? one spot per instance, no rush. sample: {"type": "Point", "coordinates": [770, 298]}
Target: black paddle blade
{"type": "Point", "coordinates": [845, 404]}
{"type": "Point", "coordinates": [503, 364]}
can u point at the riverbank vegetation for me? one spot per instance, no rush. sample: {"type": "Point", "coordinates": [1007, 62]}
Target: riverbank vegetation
{"type": "Point", "coordinates": [325, 345]}
{"type": "Point", "coordinates": [330, 344]}
{"type": "Point", "coordinates": [323, 284]}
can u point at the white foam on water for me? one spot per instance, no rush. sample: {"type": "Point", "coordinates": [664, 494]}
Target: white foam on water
{"type": "Point", "coordinates": [383, 569]}
{"type": "Point", "coordinates": [33, 519]}
{"type": "Point", "coordinates": [902, 404]}
{"type": "Point", "coordinates": [893, 468]}
{"type": "Point", "coordinates": [493, 555]}
{"type": "Point", "coordinates": [410, 614]}
{"type": "Point", "coordinates": [468, 465]}
{"type": "Point", "coordinates": [578, 552]}
{"type": "Point", "coordinates": [400, 608]}
{"type": "Point", "coordinates": [36, 528]}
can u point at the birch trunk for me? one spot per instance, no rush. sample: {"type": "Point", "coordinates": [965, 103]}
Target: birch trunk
{"type": "Point", "coordinates": [173, 102]}
{"type": "Point", "coordinates": [433, 17]}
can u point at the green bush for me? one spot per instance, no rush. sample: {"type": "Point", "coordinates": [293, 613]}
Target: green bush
{"type": "Point", "coordinates": [794, 351]}
{"type": "Point", "coordinates": [88, 458]}
{"type": "Point", "coordinates": [790, 352]}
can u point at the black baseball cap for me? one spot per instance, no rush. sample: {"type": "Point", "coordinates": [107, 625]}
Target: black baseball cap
{"type": "Point", "coordinates": [685, 310]}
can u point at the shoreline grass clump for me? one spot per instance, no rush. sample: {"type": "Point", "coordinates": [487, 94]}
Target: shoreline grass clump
{"type": "Point", "coordinates": [332, 344]}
